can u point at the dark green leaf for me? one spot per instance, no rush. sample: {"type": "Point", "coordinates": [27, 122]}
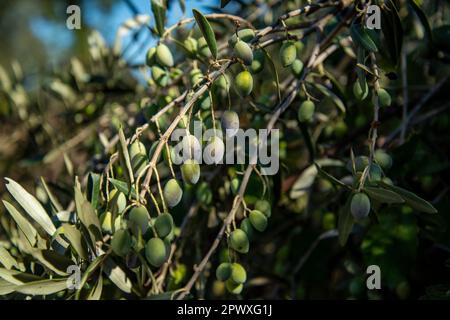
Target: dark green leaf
{"type": "Point", "coordinates": [411, 199]}
{"type": "Point", "coordinates": [329, 177]}
{"type": "Point", "coordinates": [345, 222]}
{"type": "Point", "coordinates": [123, 187]}
{"type": "Point", "coordinates": [207, 31]}
{"type": "Point", "coordinates": [159, 12]}
{"type": "Point", "coordinates": [383, 195]}
{"type": "Point", "coordinates": [392, 30]}
{"type": "Point", "coordinates": [93, 188]}
{"type": "Point", "coordinates": [423, 19]}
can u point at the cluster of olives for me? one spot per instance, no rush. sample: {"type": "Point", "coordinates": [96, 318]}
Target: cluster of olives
{"type": "Point", "coordinates": [159, 59]}
{"type": "Point", "coordinates": [362, 91]}
{"type": "Point", "coordinates": [360, 202]}
{"type": "Point", "coordinates": [233, 274]}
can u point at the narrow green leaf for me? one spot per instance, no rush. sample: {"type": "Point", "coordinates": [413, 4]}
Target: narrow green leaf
{"type": "Point", "coordinates": [117, 275]}
{"type": "Point", "coordinates": [423, 19]}
{"type": "Point", "coordinates": [383, 195]}
{"type": "Point", "coordinates": [23, 224]}
{"type": "Point", "coordinates": [159, 12]}
{"type": "Point", "coordinates": [123, 187]}
{"type": "Point", "coordinates": [52, 260]}
{"type": "Point", "coordinates": [392, 29]}
{"type": "Point", "coordinates": [43, 287]}
{"type": "Point", "coordinates": [361, 37]}
{"type": "Point", "coordinates": [327, 92]}
{"type": "Point", "coordinates": [53, 200]}
{"type": "Point", "coordinates": [6, 259]}
{"type": "Point", "coordinates": [76, 240]}
{"type": "Point", "coordinates": [17, 277]}
{"type": "Point", "coordinates": [411, 199]}
{"type": "Point", "coordinates": [182, 5]}
{"type": "Point", "coordinates": [125, 158]}
{"type": "Point", "coordinates": [30, 205]}
{"type": "Point", "coordinates": [329, 177]}
{"type": "Point", "coordinates": [345, 222]}
{"type": "Point", "coordinates": [96, 291]}
{"type": "Point", "coordinates": [207, 31]}
{"type": "Point", "coordinates": [6, 287]}
{"type": "Point", "coordinates": [89, 271]}
{"type": "Point", "coordinates": [93, 187]}
{"type": "Point", "coordinates": [274, 72]}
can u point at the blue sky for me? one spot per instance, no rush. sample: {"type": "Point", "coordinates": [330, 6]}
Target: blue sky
{"type": "Point", "coordinates": [57, 36]}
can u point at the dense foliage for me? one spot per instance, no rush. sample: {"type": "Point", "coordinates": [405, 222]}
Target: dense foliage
{"type": "Point", "coordinates": [92, 179]}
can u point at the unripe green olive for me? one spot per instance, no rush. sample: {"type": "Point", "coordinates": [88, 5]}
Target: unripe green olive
{"type": "Point", "coordinates": [214, 151]}
{"type": "Point", "coordinates": [361, 162]}
{"type": "Point", "coordinates": [203, 193]}
{"type": "Point", "coordinates": [172, 193]}
{"type": "Point", "coordinates": [203, 48]}
{"type": "Point", "coordinates": [340, 129]}
{"type": "Point", "coordinates": [223, 271]}
{"type": "Point", "coordinates": [258, 61]}
{"type": "Point", "coordinates": [299, 45]}
{"type": "Point", "coordinates": [360, 205]}
{"type": "Point", "coordinates": [245, 35]}
{"type": "Point", "coordinates": [230, 123]}
{"type": "Point", "coordinates": [190, 171]}
{"type": "Point", "coordinates": [359, 92]}
{"type": "Point", "coordinates": [264, 206]}
{"type": "Point", "coordinates": [306, 111]}
{"type": "Point", "coordinates": [191, 46]}
{"type": "Point", "coordinates": [223, 82]}
{"type": "Point", "coordinates": [204, 102]}
{"type": "Point", "coordinates": [106, 222]}
{"type": "Point", "coordinates": [121, 242]}
{"type": "Point", "coordinates": [233, 287]}
{"type": "Point", "coordinates": [136, 148]}
{"type": "Point", "coordinates": [247, 227]}
{"type": "Point", "coordinates": [383, 159]}
{"type": "Point", "coordinates": [238, 274]}
{"type": "Point", "coordinates": [163, 224]}
{"type": "Point", "coordinates": [384, 98]}
{"type": "Point", "coordinates": [156, 252]}
{"type": "Point", "coordinates": [258, 220]}
{"type": "Point", "coordinates": [164, 56]}
{"type": "Point", "coordinates": [138, 219]}
{"type": "Point", "coordinates": [288, 53]}
{"type": "Point", "coordinates": [238, 241]}
{"type": "Point", "coordinates": [297, 67]}
{"type": "Point", "coordinates": [196, 76]}
{"type": "Point", "coordinates": [117, 200]}
{"type": "Point", "coordinates": [375, 172]}
{"type": "Point", "coordinates": [244, 52]}
{"type": "Point", "coordinates": [150, 58]}
{"type": "Point", "coordinates": [244, 83]}
{"type": "Point", "coordinates": [160, 76]}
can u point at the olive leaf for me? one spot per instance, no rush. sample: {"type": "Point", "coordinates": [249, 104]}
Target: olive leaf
{"type": "Point", "coordinates": [52, 260]}
{"type": "Point", "coordinates": [30, 205]}
{"type": "Point", "coordinates": [328, 93]}
{"type": "Point", "coordinates": [24, 225]}
{"type": "Point", "coordinates": [6, 287]}
{"type": "Point", "coordinates": [125, 158]}
{"type": "Point", "coordinates": [345, 222]}
{"type": "Point", "coordinates": [411, 199]}
{"type": "Point", "coordinates": [415, 5]}
{"type": "Point", "coordinates": [117, 275]}
{"type": "Point", "coordinates": [6, 259]}
{"type": "Point", "coordinates": [53, 200]}
{"type": "Point", "coordinates": [329, 177]}
{"type": "Point", "coordinates": [87, 215]}
{"type": "Point", "coordinates": [96, 291]}
{"type": "Point", "coordinates": [360, 36]}
{"type": "Point", "coordinates": [89, 271]}
{"type": "Point", "coordinates": [207, 31]}
{"type": "Point", "coordinates": [76, 240]}
{"type": "Point", "coordinates": [17, 277]}
{"type": "Point", "coordinates": [392, 30]}
{"type": "Point", "coordinates": [93, 187]}
{"type": "Point", "coordinates": [123, 187]}
{"type": "Point", "coordinates": [43, 287]}
{"type": "Point", "coordinates": [383, 195]}
{"type": "Point", "coordinates": [159, 12]}
{"type": "Point", "coordinates": [274, 72]}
